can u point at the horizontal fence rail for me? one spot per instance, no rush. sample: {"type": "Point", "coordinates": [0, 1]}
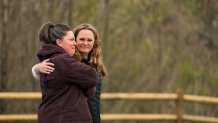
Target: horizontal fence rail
{"type": "Point", "coordinates": [120, 117]}
{"type": "Point", "coordinates": [177, 97]}
{"type": "Point", "coordinates": [104, 96]}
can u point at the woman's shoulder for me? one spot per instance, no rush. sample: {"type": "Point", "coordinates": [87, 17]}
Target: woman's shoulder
{"type": "Point", "coordinates": [64, 57]}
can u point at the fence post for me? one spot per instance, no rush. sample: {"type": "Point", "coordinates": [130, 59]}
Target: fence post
{"type": "Point", "coordinates": [179, 106]}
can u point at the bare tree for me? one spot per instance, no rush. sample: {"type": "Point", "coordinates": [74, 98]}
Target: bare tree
{"type": "Point", "coordinates": [208, 34]}
{"type": "Point", "coordinates": [3, 48]}
{"type": "Point", "coordinates": [70, 12]}
{"type": "Point", "coordinates": [106, 16]}
{"type": "Point", "coordinates": [3, 62]}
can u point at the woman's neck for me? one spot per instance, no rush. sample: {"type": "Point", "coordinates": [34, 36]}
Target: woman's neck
{"type": "Point", "coordinates": [85, 56]}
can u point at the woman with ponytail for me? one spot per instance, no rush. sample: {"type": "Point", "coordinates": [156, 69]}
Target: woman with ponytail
{"type": "Point", "coordinates": [88, 51]}
{"type": "Point", "coordinates": [66, 90]}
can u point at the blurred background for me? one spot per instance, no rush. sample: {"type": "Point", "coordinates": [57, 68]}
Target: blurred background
{"type": "Point", "coordinates": [148, 46]}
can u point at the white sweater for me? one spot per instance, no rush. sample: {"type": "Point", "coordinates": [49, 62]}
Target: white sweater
{"type": "Point", "coordinates": [35, 75]}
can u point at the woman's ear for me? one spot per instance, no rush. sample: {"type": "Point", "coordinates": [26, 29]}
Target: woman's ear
{"type": "Point", "coordinates": [58, 42]}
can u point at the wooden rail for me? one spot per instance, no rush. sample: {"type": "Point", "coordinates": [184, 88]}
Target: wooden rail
{"type": "Point", "coordinates": [178, 97]}
{"type": "Point", "coordinates": [104, 96]}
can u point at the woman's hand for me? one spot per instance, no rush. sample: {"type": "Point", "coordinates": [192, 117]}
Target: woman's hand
{"type": "Point", "coordinates": [44, 67]}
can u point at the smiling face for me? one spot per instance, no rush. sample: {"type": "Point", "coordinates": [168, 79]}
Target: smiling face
{"type": "Point", "coordinates": [67, 43]}
{"type": "Point", "coordinates": [85, 41]}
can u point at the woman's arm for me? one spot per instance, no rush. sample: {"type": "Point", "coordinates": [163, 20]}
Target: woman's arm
{"type": "Point", "coordinates": [73, 71]}
{"type": "Point", "coordinates": [44, 67]}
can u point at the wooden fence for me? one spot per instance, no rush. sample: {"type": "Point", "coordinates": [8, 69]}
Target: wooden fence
{"type": "Point", "coordinates": [178, 97]}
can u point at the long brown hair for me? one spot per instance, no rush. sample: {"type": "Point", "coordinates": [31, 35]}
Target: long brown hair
{"type": "Point", "coordinates": [95, 55]}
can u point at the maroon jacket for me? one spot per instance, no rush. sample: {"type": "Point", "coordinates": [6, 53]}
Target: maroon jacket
{"type": "Point", "coordinates": [64, 98]}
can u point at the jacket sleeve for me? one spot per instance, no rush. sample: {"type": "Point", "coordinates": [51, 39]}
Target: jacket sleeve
{"type": "Point", "coordinates": [73, 71]}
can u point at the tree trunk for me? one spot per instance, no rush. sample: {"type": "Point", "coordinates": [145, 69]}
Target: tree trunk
{"type": "Point", "coordinates": [70, 16]}
{"type": "Point", "coordinates": [106, 25]}
{"type": "Point", "coordinates": [3, 49]}
{"type": "Point", "coordinates": [3, 44]}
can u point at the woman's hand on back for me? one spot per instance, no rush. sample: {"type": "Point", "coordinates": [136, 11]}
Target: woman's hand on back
{"type": "Point", "coordinates": [45, 67]}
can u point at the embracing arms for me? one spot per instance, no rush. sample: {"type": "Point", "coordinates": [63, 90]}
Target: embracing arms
{"type": "Point", "coordinates": [43, 67]}
{"type": "Point", "coordinates": [73, 71]}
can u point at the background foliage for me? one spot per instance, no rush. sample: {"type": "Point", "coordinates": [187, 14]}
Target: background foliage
{"type": "Point", "coordinates": [148, 46]}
